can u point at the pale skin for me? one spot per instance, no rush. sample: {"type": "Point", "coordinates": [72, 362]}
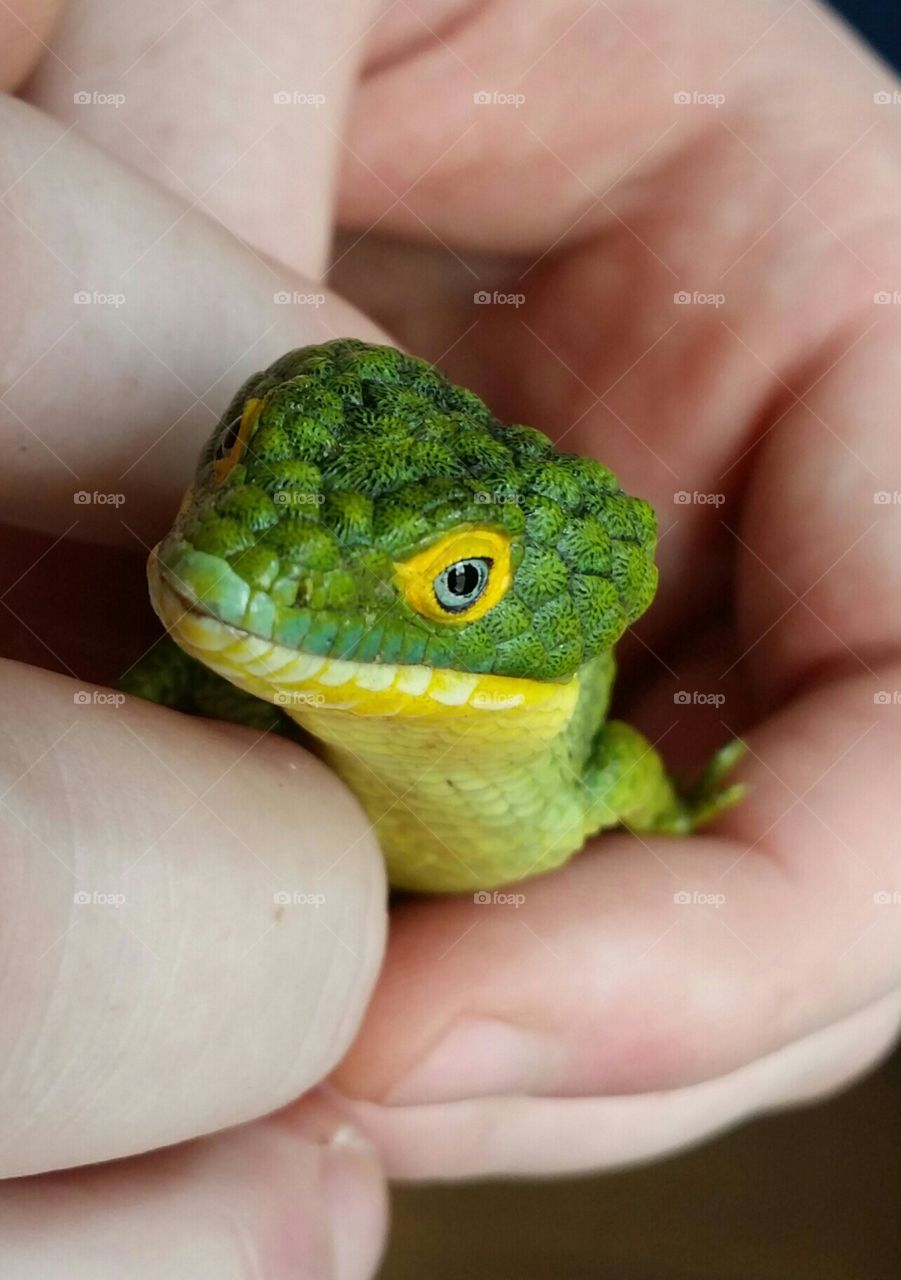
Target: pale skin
{"type": "Point", "coordinates": [618, 1023]}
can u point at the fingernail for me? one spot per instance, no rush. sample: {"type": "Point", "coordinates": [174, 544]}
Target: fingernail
{"type": "Point", "coordinates": [479, 1057]}
{"type": "Point", "coordinates": [354, 1202]}
{"type": "Point", "coordinates": [348, 1138]}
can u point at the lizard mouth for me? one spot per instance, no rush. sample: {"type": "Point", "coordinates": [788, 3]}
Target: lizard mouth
{"type": "Point", "coordinates": [305, 684]}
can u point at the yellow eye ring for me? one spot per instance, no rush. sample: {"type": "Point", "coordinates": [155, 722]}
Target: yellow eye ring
{"type": "Point", "coordinates": [222, 467]}
{"type": "Point", "coordinates": [417, 577]}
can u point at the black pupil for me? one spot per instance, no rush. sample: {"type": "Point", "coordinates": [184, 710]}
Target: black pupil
{"type": "Point", "coordinates": [462, 579]}
{"type": "Point", "coordinates": [229, 436]}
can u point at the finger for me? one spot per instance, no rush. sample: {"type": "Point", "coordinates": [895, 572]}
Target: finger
{"type": "Point", "coordinates": [238, 112]}
{"type": "Point", "coordinates": [129, 322]}
{"type": "Point", "coordinates": [195, 917]}
{"type": "Point", "coordinates": [534, 136]}
{"type": "Point", "coordinates": [299, 1194]}
{"type": "Point", "coordinates": [817, 549]}
{"type": "Point", "coordinates": [25, 28]}
{"type": "Point", "coordinates": [493, 1137]}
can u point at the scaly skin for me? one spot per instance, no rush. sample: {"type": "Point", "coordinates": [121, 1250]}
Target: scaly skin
{"type": "Point", "coordinates": [311, 566]}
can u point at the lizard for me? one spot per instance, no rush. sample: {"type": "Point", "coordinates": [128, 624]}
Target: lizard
{"type": "Point", "coordinates": [434, 598]}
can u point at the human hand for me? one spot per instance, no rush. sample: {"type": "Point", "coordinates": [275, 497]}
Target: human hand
{"type": "Point", "coordinates": [194, 913]}
{"type": "Point", "coordinates": [600, 198]}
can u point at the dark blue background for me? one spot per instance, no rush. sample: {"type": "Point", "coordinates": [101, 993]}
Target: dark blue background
{"type": "Point", "coordinates": [879, 21]}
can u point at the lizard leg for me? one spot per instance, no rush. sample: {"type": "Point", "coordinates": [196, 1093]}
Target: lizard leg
{"type": "Point", "coordinates": [171, 677]}
{"type": "Point", "coordinates": [165, 675]}
{"type": "Point", "coordinates": [628, 783]}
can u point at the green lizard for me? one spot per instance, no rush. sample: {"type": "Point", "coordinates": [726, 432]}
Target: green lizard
{"type": "Point", "coordinates": [434, 597]}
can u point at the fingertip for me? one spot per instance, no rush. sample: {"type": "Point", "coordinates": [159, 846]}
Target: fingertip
{"type": "Point", "coordinates": [356, 1204]}
{"type": "Point", "coordinates": [219, 890]}
{"type": "Point", "coordinates": [352, 1181]}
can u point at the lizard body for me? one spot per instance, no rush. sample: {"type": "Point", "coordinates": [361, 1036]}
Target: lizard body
{"type": "Point", "coordinates": [435, 598]}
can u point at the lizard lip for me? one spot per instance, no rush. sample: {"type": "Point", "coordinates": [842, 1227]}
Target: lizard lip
{"type": "Point", "coordinates": [160, 577]}
{"type": "Point", "coordinates": [307, 685]}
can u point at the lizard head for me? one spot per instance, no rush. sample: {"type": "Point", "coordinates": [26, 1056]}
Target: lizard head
{"type": "Point", "coordinates": [354, 505]}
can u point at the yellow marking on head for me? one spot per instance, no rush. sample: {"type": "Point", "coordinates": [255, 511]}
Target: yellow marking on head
{"type": "Point", "coordinates": [185, 503]}
{"type": "Point", "coordinates": [416, 577]}
{"type": "Point", "coordinates": [222, 467]}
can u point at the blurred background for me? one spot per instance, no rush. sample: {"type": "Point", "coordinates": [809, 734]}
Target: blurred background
{"type": "Point", "coordinates": [807, 1194]}
{"type": "Point", "coordinates": [879, 21]}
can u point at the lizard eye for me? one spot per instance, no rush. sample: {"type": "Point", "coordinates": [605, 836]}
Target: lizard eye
{"type": "Point", "coordinates": [231, 444]}
{"type": "Point", "coordinates": [461, 584]}
{"type": "Point", "coordinates": [458, 578]}
{"type": "Point", "coordinates": [228, 439]}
